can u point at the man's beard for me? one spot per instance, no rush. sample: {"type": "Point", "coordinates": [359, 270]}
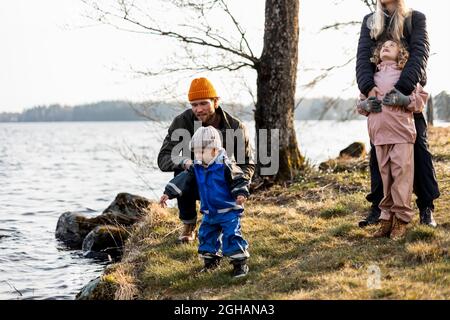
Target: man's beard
{"type": "Point", "coordinates": [208, 118]}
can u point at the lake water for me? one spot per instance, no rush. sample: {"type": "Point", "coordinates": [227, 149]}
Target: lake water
{"type": "Point", "coordinates": [50, 168]}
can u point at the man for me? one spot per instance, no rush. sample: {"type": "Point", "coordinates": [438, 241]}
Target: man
{"type": "Point", "coordinates": [205, 109]}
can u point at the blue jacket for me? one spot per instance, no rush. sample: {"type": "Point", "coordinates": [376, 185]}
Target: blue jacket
{"type": "Point", "coordinates": [219, 184]}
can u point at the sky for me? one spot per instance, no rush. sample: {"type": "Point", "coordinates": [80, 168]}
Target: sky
{"type": "Point", "coordinates": [52, 53]}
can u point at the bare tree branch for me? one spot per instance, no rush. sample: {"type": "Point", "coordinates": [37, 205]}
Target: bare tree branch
{"type": "Point", "coordinates": [339, 25]}
{"type": "Point", "coordinates": [239, 28]}
{"type": "Point", "coordinates": [371, 4]}
{"type": "Point", "coordinates": [125, 9]}
{"type": "Point", "coordinates": [326, 73]}
{"type": "Point", "coordinates": [233, 66]}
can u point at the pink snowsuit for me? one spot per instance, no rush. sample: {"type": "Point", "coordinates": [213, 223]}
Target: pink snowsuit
{"type": "Point", "coordinates": [393, 133]}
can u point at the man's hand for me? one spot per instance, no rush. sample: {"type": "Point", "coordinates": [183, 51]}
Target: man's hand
{"type": "Point", "coordinates": [371, 105]}
{"type": "Point", "coordinates": [163, 200]}
{"type": "Point", "coordinates": [396, 98]}
{"type": "Point", "coordinates": [240, 200]}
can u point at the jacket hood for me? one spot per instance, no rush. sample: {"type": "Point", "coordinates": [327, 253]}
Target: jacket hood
{"type": "Point", "coordinates": [219, 158]}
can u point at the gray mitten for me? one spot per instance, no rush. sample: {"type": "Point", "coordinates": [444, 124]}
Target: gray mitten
{"type": "Point", "coordinates": [396, 98]}
{"type": "Point", "coordinates": [372, 105]}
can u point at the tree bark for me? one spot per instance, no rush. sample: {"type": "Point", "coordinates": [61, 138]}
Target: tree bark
{"type": "Point", "coordinates": [276, 83]}
{"type": "Point", "coordinates": [430, 112]}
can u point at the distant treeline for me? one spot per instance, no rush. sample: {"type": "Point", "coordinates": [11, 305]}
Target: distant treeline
{"type": "Point", "coordinates": [307, 109]}
{"type": "Point", "coordinates": [101, 111]}
{"type": "Point", "coordinates": [340, 109]}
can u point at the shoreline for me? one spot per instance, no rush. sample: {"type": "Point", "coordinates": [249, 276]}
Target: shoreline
{"type": "Point", "coordinates": [304, 244]}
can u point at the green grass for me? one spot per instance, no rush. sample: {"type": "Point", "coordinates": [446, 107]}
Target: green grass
{"type": "Point", "coordinates": [304, 244]}
{"type": "Point", "coordinates": [421, 233]}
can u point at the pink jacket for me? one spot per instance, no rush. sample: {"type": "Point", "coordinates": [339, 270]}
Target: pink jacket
{"type": "Point", "coordinates": [393, 124]}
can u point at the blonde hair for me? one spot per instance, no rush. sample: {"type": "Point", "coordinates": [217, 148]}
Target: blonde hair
{"type": "Point", "coordinates": [403, 54]}
{"type": "Point", "coordinates": [395, 29]}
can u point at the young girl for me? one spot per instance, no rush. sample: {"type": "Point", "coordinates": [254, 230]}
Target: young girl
{"type": "Point", "coordinates": [392, 131]}
{"type": "Point", "coordinates": [223, 189]}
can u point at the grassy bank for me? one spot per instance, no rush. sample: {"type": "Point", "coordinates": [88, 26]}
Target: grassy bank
{"type": "Point", "coordinates": [304, 244]}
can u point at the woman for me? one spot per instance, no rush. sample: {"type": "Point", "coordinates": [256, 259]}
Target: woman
{"type": "Point", "coordinates": [393, 20]}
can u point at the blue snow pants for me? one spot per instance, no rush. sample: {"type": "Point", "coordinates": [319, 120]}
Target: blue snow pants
{"type": "Point", "coordinates": [233, 244]}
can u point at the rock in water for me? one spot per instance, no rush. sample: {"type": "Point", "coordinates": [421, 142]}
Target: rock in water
{"type": "Point", "coordinates": [104, 242]}
{"type": "Point", "coordinates": [128, 206]}
{"type": "Point", "coordinates": [125, 210]}
{"type": "Point", "coordinates": [355, 150]}
{"type": "Point", "coordinates": [72, 227]}
{"type": "Point", "coordinates": [87, 292]}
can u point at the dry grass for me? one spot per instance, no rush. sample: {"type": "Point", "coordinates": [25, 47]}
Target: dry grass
{"type": "Point", "coordinates": [425, 252]}
{"type": "Point", "coordinates": [304, 244]}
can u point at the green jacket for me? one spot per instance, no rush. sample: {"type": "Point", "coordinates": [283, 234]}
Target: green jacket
{"type": "Point", "coordinates": [186, 121]}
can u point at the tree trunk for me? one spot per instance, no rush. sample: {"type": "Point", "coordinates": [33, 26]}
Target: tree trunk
{"type": "Point", "coordinates": [276, 82]}
{"type": "Point", "coordinates": [430, 115]}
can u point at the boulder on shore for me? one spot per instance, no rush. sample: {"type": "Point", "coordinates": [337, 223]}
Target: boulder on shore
{"type": "Point", "coordinates": [103, 287]}
{"type": "Point", "coordinates": [72, 227]}
{"type": "Point", "coordinates": [125, 210]}
{"type": "Point", "coordinates": [352, 158]}
{"type": "Point", "coordinates": [355, 150]}
{"type": "Point", "coordinates": [127, 207]}
{"type": "Point", "coordinates": [97, 289]}
{"type": "Point", "coordinates": [87, 292]}
{"type": "Point", "coordinates": [104, 242]}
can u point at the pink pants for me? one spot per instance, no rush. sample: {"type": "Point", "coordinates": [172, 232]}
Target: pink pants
{"type": "Point", "coordinates": [396, 164]}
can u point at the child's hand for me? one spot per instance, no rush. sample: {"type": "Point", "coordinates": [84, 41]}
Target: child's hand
{"type": "Point", "coordinates": [187, 164]}
{"type": "Point", "coordinates": [396, 98]}
{"type": "Point", "coordinates": [371, 105]}
{"type": "Point", "coordinates": [163, 200]}
{"type": "Point", "coordinates": [240, 200]}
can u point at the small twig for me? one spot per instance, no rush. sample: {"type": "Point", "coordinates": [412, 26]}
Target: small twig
{"type": "Point", "coordinates": [324, 187]}
{"type": "Point", "coordinates": [171, 232]}
{"type": "Point", "coordinates": [13, 287]}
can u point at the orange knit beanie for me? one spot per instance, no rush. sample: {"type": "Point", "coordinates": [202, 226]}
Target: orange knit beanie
{"type": "Point", "coordinates": [201, 88]}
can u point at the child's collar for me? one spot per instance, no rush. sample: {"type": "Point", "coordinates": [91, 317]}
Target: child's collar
{"type": "Point", "coordinates": [219, 158]}
{"type": "Point", "coordinates": [386, 64]}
